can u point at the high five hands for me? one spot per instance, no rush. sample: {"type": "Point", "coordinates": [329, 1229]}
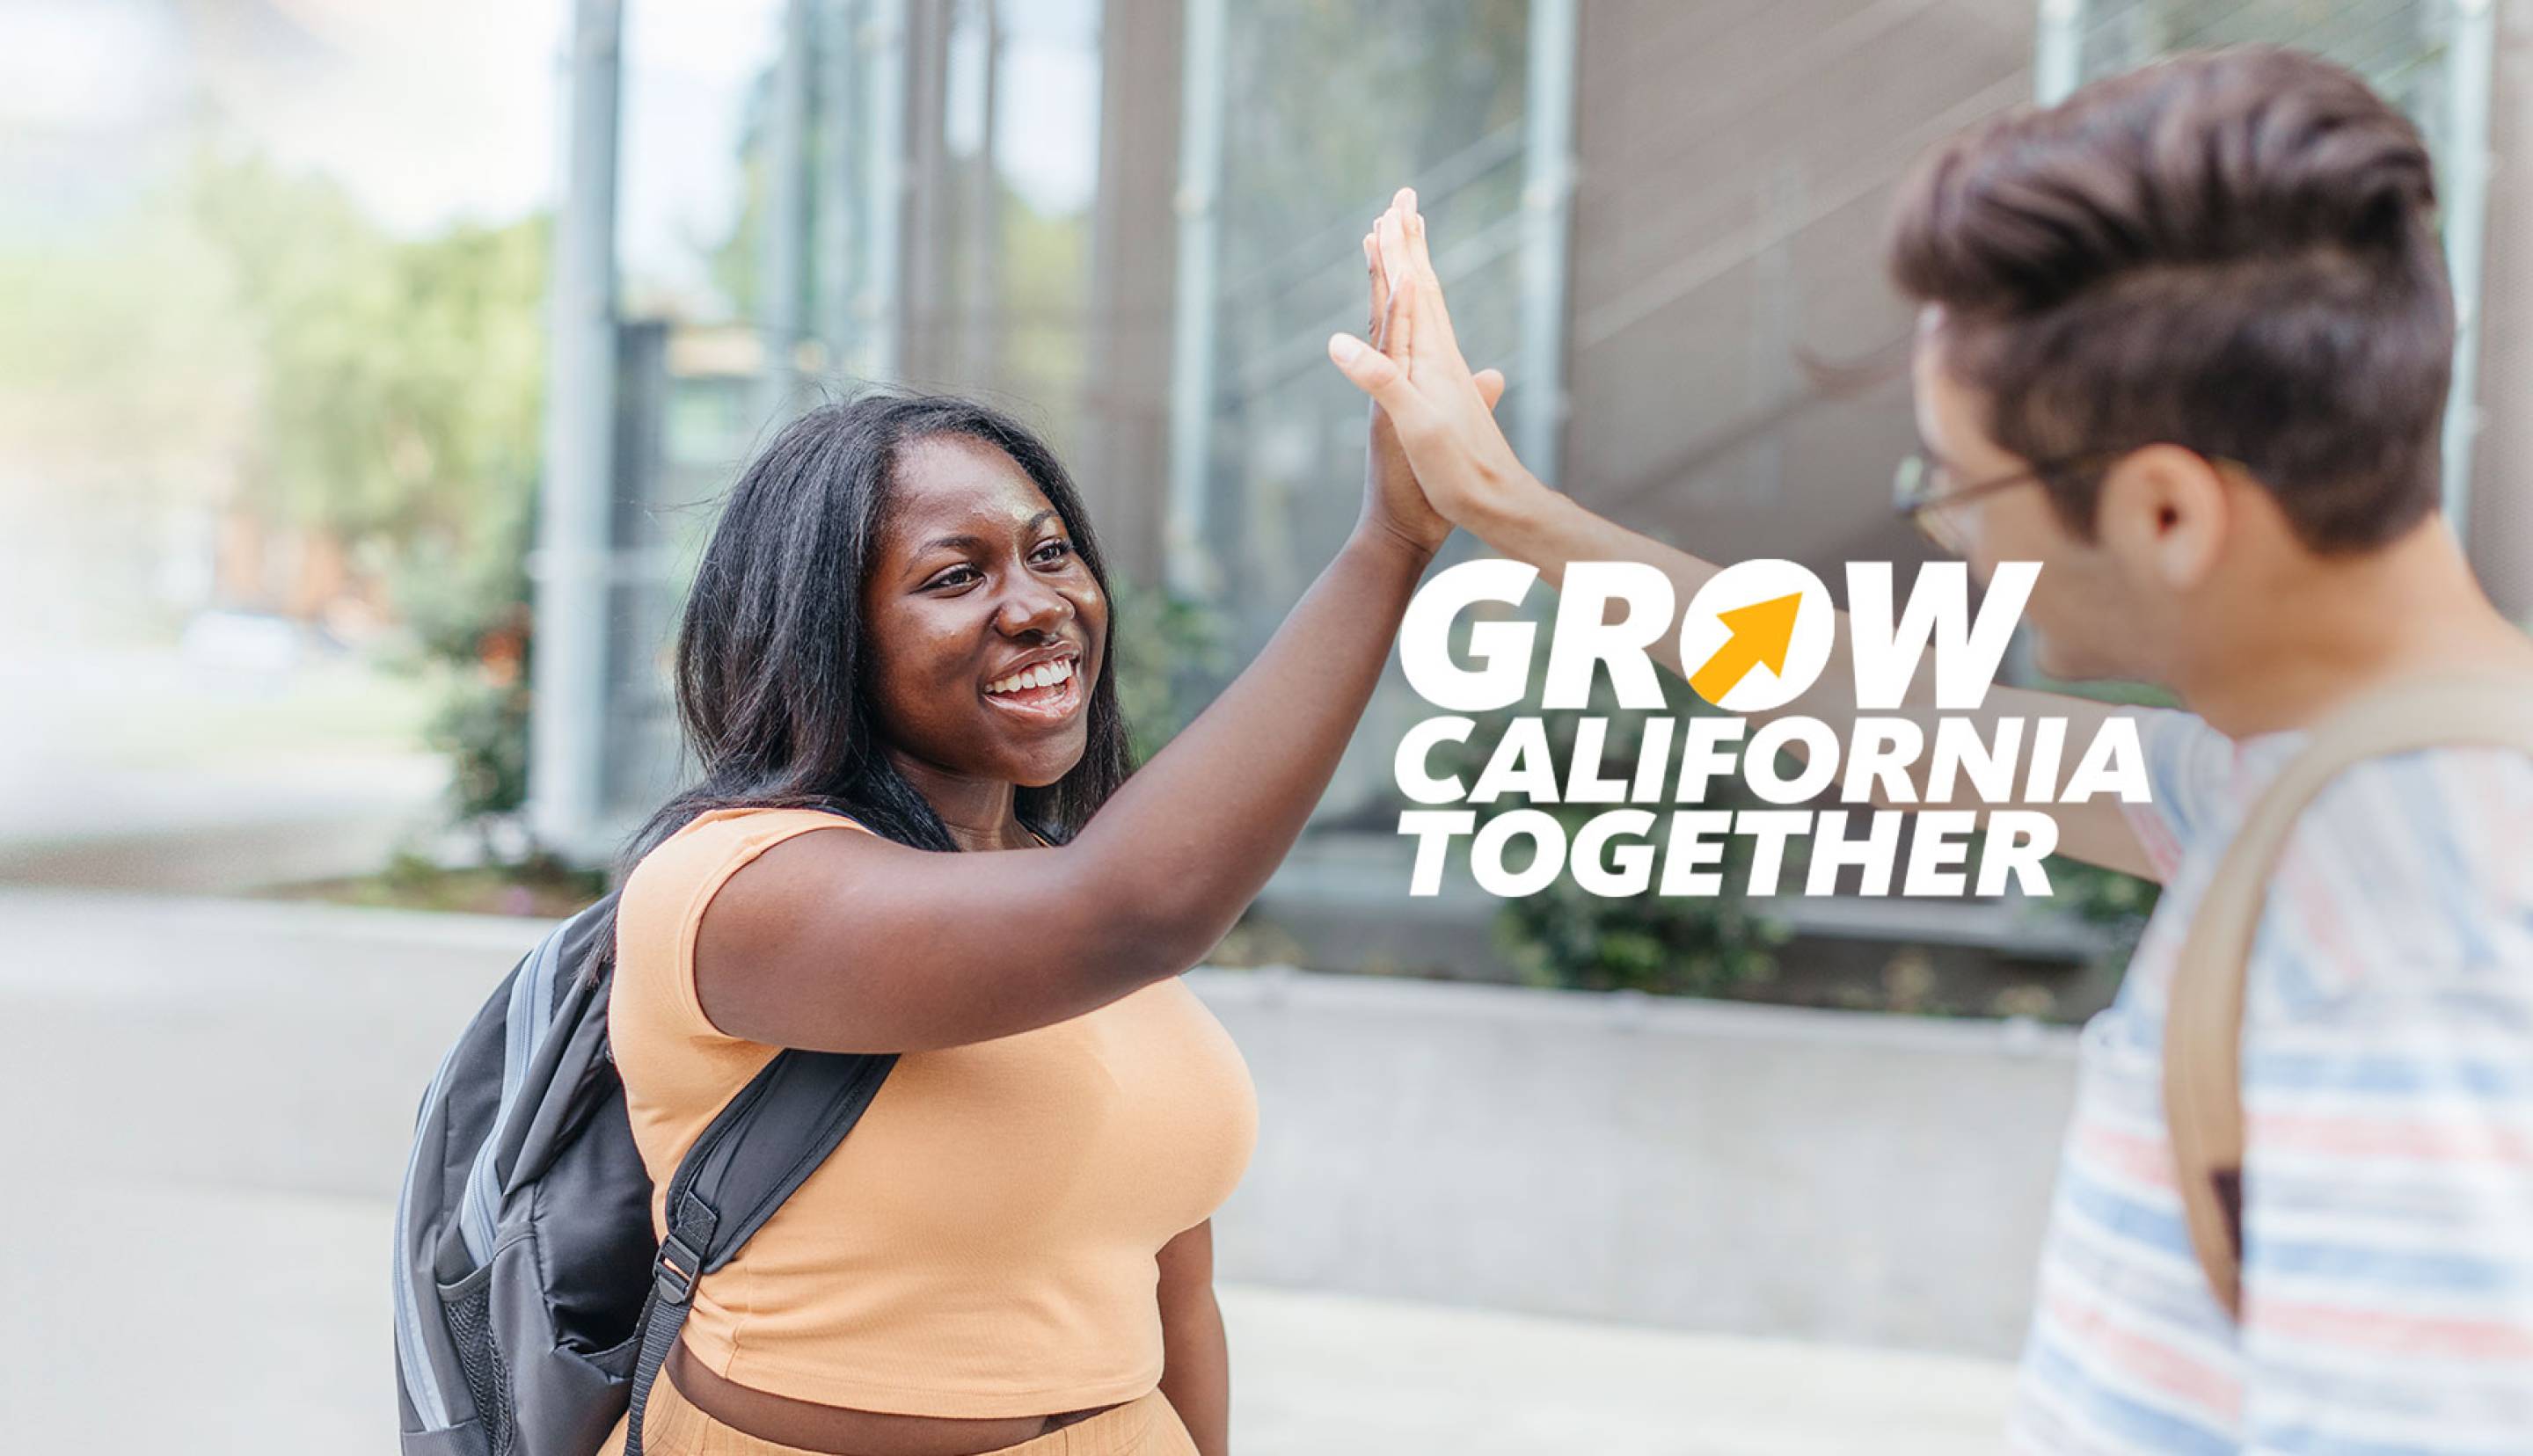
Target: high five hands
{"type": "Point", "coordinates": [1407, 300]}
{"type": "Point", "coordinates": [1428, 405]}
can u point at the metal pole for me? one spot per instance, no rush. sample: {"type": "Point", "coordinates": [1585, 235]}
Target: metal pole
{"type": "Point", "coordinates": [1546, 202]}
{"type": "Point", "coordinates": [927, 339]}
{"type": "Point", "coordinates": [576, 508]}
{"type": "Point", "coordinates": [839, 263]}
{"type": "Point", "coordinates": [884, 175]}
{"type": "Point", "coordinates": [2466, 215]}
{"type": "Point", "coordinates": [2057, 67]}
{"type": "Point", "coordinates": [980, 366]}
{"type": "Point", "coordinates": [1202, 84]}
{"type": "Point", "coordinates": [2058, 50]}
{"type": "Point", "coordinates": [785, 304]}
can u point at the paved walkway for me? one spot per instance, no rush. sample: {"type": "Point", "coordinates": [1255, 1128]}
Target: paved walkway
{"type": "Point", "coordinates": [138, 770]}
{"type": "Point", "coordinates": [213, 1099]}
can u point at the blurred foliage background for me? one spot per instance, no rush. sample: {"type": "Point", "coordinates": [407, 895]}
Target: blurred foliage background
{"type": "Point", "coordinates": [272, 420]}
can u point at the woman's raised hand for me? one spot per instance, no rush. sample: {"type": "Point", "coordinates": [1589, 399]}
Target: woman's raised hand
{"type": "Point", "coordinates": [1393, 498]}
{"type": "Point", "coordinates": [1440, 414]}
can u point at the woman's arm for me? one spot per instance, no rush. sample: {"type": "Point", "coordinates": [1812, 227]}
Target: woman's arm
{"type": "Point", "coordinates": [1196, 1360]}
{"type": "Point", "coordinates": [838, 941]}
{"type": "Point", "coordinates": [1467, 468]}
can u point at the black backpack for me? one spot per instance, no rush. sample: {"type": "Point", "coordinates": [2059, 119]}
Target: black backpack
{"type": "Point", "coordinates": [532, 1302]}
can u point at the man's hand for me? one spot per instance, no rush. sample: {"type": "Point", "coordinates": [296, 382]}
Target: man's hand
{"type": "Point", "coordinates": [1391, 495]}
{"type": "Point", "coordinates": [1433, 427]}
{"type": "Point", "coordinates": [1466, 467]}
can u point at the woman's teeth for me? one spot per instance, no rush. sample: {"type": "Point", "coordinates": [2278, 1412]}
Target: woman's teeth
{"type": "Point", "coordinates": [1045, 674]}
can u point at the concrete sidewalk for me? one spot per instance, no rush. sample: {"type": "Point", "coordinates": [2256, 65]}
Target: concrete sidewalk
{"type": "Point", "coordinates": [141, 768]}
{"type": "Point", "coordinates": [212, 1100]}
{"type": "Point", "coordinates": [223, 1320]}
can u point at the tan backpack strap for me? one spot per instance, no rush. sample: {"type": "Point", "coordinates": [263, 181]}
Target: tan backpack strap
{"type": "Point", "coordinates": [2202, 1031]}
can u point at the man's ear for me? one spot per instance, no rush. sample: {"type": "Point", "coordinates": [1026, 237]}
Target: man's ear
{"type": "Point", "coordinates": [2165, 514]}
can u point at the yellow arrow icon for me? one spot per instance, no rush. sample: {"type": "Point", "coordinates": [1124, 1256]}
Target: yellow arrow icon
{"type": "Point", "coordinates": [1762, 632]}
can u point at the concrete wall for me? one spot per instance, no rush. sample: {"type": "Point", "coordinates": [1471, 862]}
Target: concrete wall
{"type": "Point", "coordinates": [1711, 1166]}
{"type": "Point", "coordinates": [1727, 1168]}
{"type": "Point", "coordinates": [1735, 163]}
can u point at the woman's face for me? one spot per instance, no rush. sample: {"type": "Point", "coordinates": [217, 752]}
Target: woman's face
{"type": "Point", "coordinates": [987, 629]}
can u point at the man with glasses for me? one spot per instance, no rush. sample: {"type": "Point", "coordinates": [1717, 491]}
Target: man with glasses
{"type": "Point", "coordinates": [1923, 496]}
{"type": "Point", "coordinates": [2185, 340]}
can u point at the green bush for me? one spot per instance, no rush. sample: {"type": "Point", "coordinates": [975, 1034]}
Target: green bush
{"type": "Point", "coordinates": [467, 604]}
{"type": "Point", "coordinates": [1680, 945]}
{"type": "Point", "coordinates": [482, 727]}
{"type": "Point", "coordinates": [1673, 945]}
{"type": "Point", "coordinates": [1172, 651]}
{"type": "Point", "coordinates": [2119, 902]}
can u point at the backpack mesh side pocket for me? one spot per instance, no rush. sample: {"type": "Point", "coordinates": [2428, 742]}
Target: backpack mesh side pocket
{"type": "Point", "coordinates": [488, 1377]}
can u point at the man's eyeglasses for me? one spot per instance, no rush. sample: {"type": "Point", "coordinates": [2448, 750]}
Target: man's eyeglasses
{"type": "Point", "coordinates": [1918, 492]}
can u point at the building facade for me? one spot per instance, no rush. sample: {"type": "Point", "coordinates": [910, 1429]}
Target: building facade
{"type": "Point", "coordinates": [1134, 223]}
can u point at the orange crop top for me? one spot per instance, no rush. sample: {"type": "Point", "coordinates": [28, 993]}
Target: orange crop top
{"type": "Point", "coordinates": [982, 1244]}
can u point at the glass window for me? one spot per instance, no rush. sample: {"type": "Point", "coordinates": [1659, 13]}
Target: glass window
{"type": "Point", "coordinates": [1325, 110]}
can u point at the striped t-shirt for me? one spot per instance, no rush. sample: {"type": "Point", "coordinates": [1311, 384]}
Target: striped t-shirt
{"type": "Point", "coordinates": [2387, 1180]}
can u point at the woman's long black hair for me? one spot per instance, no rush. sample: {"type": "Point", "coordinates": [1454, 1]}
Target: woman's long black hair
{"type": "Point", "coordinates": [773, 659]}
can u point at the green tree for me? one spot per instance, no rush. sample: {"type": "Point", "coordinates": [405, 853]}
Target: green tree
{"type": "Point", "coordinates": [399, 383]}
{"type": "Point", "coordinates": [398, 389]}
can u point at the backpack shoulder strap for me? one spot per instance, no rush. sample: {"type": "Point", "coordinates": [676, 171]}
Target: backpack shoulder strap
{"type": "Point", "coordinates": [756, 1153]}
{"type": "Point", "coordinates": [2203, 1032]}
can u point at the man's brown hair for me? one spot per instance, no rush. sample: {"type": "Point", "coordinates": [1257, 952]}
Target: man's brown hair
{"type": "Point", "coordinates": [2231, 251]}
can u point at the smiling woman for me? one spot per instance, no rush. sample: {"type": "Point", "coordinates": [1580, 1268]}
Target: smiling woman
{"type": "Point", "coordinates": [876, 570]}
{"type": "Point", "coordinates": [912, 833]}
{"type": "Point", "coordinates": [986, 619]}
